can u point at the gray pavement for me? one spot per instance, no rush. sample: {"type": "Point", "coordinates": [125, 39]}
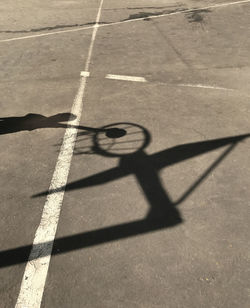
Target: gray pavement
{"type": "Point", "coordinates": [158, 217]}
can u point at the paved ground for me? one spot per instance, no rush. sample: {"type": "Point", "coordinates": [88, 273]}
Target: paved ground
{"type": "Point", "coordinates": [159, 215]}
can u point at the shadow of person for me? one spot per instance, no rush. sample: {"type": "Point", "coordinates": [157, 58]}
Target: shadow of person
{"type": "Point", "coordinates": [32, 121]}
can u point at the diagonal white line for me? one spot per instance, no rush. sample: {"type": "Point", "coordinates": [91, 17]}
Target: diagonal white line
{"type": "Point", "coordinates": [126, 21]}
{"type": "Point", "coordinates": [203, 86]}
{"type": "Point", "coordinates": [34, 278]}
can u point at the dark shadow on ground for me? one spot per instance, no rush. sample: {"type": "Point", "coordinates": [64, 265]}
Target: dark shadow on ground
{"type": "Point", "coordinates": [32, 121]}
{"type": "Point", "coordinates": [56, 27]}
{"type": "Point", "coordinates": [193, 15]}
{"type": "Point", "coordinates": [197, 15]}
{"type": "Point", "coordinates": [147, 15]}
{"type": "Point", "coordinates": [162, 213]}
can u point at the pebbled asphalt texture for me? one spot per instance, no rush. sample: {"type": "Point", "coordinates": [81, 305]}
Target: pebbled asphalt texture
{"type": "Point", "coordinates": [157, 216]}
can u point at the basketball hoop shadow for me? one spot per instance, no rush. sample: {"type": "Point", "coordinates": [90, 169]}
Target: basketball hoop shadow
{"type": "Point", "coordinates": [163, 212]}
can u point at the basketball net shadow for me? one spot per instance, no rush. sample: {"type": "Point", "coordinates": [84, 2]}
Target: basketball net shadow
{"type": "Point", "coordinates": [163, 212]}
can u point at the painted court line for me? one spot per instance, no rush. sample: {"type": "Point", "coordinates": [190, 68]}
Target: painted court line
{"type": "Point", "coordinates": [34, 278]}
{"type": "Point", "coordinates": [117, 77]}
{"type": "Point", "coordinates": [126, 78]}
{"type": "Point", "coordinates": [143, 79]}
{"type": "Point", "coordinates": [85, 74]}
{"type": "Point", "coordinates": [126, 21]}
{"type": "Point", "coordinates": [203, 86]}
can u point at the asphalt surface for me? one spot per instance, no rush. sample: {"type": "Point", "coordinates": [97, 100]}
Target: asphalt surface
{"type": "Point", "coordinates": [158, 217]}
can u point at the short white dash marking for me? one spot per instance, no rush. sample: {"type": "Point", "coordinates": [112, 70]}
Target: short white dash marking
{"type": "Point", "coordinates": [84, 74]}
{"type": "Point", "coordinates": [36, 269]}
{"type": "Point", "coordinates": [126, 78]}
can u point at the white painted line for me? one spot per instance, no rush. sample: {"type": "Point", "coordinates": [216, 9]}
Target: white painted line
{"type": "Point", "coordinates": [203, 86]}
{"type": "Point", "coordinates": [183, 11]}
{"type": "Point", "coordinates": [143, 79]}
{"type": "Point", "coordinates": [126, 78]}
{"type": "Point", "coordinates": [85, 74]}
{"type": "Point", "coordinates": [126, 21]}
{"type": "Point", "coordinates": [36, 270]}
{"type": "Point", "coordinates": [45, 34]}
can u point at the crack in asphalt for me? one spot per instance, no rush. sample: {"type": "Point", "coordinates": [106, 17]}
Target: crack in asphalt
{"type": "Point", "coordinates": [152, 14]}
{"type": "Point", "coordinates": [52, 28]}
{"type": "Point", "coordinates": [195, 17]}
{"type": "Point", "coordinates": [155, 7]}
{"type": "Point", "coordinates": [146, 7]}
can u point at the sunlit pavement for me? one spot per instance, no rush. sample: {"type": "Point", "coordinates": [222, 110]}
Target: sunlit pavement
{"type": "Point", "coordinates": [156, 212]}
